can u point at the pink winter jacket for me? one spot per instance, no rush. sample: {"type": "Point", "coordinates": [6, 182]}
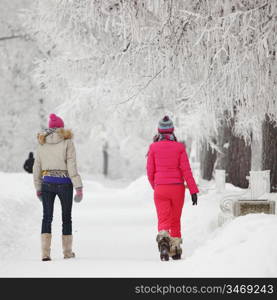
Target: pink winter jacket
{"type": "Point", "coordinates": [168, 163]}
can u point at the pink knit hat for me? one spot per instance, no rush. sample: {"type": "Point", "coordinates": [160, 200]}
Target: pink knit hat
{"type": "Point", "coordinates": [55, 121]}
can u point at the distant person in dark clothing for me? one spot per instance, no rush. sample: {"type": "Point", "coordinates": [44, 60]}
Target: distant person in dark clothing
{"type": "Point", "coordinates": [28, 165]}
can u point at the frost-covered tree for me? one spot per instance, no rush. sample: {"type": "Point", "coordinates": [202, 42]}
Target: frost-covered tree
{"type": "Point", "coordinates": [117, 66]}
{"type": "Point", "coordinates": [240, 79]}
{"type": "Point", "coordinates": [19, 96]}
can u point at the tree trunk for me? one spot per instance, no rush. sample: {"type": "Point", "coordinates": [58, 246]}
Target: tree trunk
{"type": "Point", "coordinates": [269, 161]}
{"type": "Point", "coordinates": [105, 160]}
{"type": "Point", "coordinates": [223, 143]}
{"type": "Point", "coordinates": [207, 161]}
{"type": "Point", "coordinates": [42, 114]}
{"type": "Point", "coordinates": [233, 155]}
{"type": "Point", "coordinates": [239, 162]}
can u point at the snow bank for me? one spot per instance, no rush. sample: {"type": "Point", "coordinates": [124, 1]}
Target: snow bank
{"type": "Point", "coordinates": [92, 186]}
{"type": "Point", "coordinates": [19, 210]}
{"type": "Point", "coordinates": [139, 190]}
{"type": "Point", "coordinates": [244, 247]}
{"type": "Point", "coordinates": [126, 219]}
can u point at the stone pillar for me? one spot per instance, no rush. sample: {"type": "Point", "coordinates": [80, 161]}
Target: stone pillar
{"type": "Point", "coordinates": [259, 183]}
{"type": "Point", "coordinates": [256, 149]}
{"type": "Point", "coordinates": [220, 176]}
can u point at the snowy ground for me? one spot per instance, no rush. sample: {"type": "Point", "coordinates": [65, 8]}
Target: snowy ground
{"type": "Point", "coordinates": [114, 236]}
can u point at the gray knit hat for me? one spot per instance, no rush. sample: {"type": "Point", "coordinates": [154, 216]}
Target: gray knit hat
{"type": "Point", "coordinates": [165, 125]}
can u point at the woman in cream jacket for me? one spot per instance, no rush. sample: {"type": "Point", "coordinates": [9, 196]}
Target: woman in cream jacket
{"type": "Point", "coordinates": [55, 173]}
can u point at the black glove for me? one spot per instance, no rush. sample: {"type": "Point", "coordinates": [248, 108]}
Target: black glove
{"type": "Point", "coordinates": [194, 199]}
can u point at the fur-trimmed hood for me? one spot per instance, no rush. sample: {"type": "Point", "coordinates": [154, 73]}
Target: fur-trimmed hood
{"type": "Point", "coordinates": [55, 136]}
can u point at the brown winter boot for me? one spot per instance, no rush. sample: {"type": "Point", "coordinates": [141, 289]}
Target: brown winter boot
{"type": "Point", "coordinates": [67, 246]}
{"type": "Point", "coordinates": [163, 240]}
{"type": "Point", "coordinates": [175, 248]}
{"type": "Point", "coordinates": [45, 246]}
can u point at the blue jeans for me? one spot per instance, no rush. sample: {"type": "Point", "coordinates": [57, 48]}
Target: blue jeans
{"type": "Point", "coordinates": [65, 193]}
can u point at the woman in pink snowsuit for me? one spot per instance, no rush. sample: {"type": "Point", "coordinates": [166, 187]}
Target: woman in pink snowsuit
{"type": "Point", "coordinates": [167, 169]}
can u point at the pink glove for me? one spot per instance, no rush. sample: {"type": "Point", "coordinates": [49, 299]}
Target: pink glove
{"type": "Point", "coordinates": [39, 195]}
{"type": "Point", "coordinates": [79, 195]}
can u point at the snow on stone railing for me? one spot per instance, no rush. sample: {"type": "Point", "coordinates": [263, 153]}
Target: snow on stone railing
{"type": "Point", "coordinates": [227, 203]}
{"type": "Point", "coordinates": [238, 203]}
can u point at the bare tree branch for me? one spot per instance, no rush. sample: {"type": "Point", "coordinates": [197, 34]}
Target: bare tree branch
{"type": "Point", "coordinates": [4, 38]}
{"type": "Point", "coordinates": [143, 88]}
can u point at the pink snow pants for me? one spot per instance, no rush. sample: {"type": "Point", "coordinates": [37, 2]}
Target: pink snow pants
{"type": "Point", "coordinates": [169, 201]}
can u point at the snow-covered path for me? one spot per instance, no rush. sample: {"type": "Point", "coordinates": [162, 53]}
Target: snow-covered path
{"type": "Point", "coordinates": [114, 236]}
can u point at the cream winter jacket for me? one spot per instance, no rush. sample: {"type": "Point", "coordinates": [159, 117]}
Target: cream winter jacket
{"type": "Point", "coordinates": [56, 151]}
